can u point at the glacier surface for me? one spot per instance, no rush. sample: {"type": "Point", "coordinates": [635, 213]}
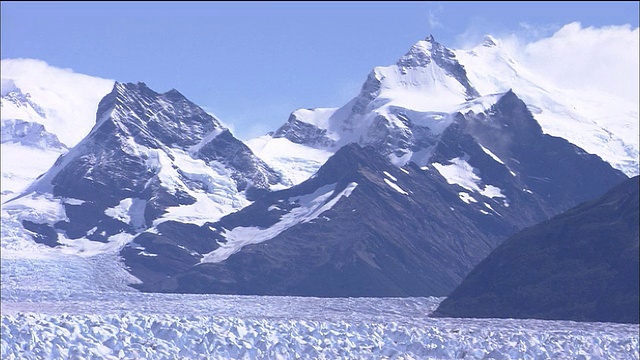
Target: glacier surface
{"type": "Point", "coordinates": [92, 314]}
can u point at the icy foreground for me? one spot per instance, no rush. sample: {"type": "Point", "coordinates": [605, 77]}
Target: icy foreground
{"type": "Point", "coordinates": [117, 325]}
{"type": "Point", "coordinates": [296, 328]}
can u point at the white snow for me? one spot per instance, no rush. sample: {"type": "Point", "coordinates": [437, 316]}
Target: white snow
{"type": "Point", "coordinates": [425, 94]}
{"type": "Point", "coordinates": [87, 248]}
{"type": "Point", "coordinates": [295, 162]}
{"type": "Point", "coordinates": [210, 136]}
{"type": "Point", "coordinates": [425, 88]}
{"type": "Point", "coordinates": [318, 117]}
{"type": "Point", "coordinates": [310, 207]}
{"type": "Point", "coordinates": [69, 100]}
{"type": "Point", "coordinates": [39, 208]}
{"type": "Point", "coordinates": [481, 104]}
{"type": "Point", "coordinates": [490, 208]}
{"type": "Point", "coordinates": [493, 156]}
{"type": "Point", "coordinates": [599, 122]}
{"type": "Point", "coordinates": [144, 253]}
{"type": "Point", "coordinates": [20, 165]}
{"type": "Point", "coordinates": [71, 201]}
{"type": "Point", "coordinates": [436, 121]}
{"type": "Point", "coordinates": [391, 177]}
{"type": "Point", "coordinates": [218, 197]}
{"type": "Point", "coordinates": [492, 192]}
{"type": "Point", "coordinates": [459, 172]}
{"type": "Point", "coordinates": [466, 197]}
{"type": "Point", "coordinates": [64, 102]}
{"type": "Point", "coordinates": [120, 212]}
{"type": "Point", "coordinates": [395, 187]}
{"type": "Point", "coordinates": [67, 306]}
{"type": "Point", "coordinates": [129, 211]}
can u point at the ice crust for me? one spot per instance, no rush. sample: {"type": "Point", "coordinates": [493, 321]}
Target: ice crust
{"type": "Point", "coordinates": [158, 326]}
{"type": "Point", "coordinates": [73, 307]}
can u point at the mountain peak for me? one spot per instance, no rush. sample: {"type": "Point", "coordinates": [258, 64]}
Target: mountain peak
{"type": "Point", "coordinates": [424, 52]}
{"type": "Point", "coordinates": [489, 41]}
{"type": "Point", "coordinates": [153, 118]}
{"type": "Point", "coordinates": [421, 53]}
{"type": "Point", "coordinates": [129, 86]}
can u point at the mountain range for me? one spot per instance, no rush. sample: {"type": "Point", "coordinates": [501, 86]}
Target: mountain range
{"type": "Point", "coordinates": [400, 192]}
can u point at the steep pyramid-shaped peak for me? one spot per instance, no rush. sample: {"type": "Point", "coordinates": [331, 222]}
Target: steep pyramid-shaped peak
{"type": "Point", "coordinates": [428, 51]}
{"type": "Point", "coordinates": [490, 41]}
{"type": "Point", "coordinates": [421, 53]}
{"type": "Point", "coordinates": [136, 91]}
{"type": "Point", "coordinates": [152, 118]}
{"type": "Point", "coordinates": [514, 117]}
{"type": "Point", "coordinates": [125, 89]}
{"type": "Point", "coordinates": [174, 95]}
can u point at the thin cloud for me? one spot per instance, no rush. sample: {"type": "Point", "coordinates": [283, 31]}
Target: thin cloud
{"type": "Point", "coordinates": [605, 58]}
{"type": "Point", "coordinates": [433, 17]}
{"type": "Point", "coordinates": [227, 125]}
{"type": "Point", "coordinates": [531, 31]}
{"type": "Point", "coordinates": [571, 56]}
{"type": "Point", "coordinates": [433, 20]}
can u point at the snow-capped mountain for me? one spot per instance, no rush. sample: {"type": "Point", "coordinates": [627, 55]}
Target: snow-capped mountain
{"type": "Point", "coordinates": [149, 158]}
{"type": "Point", "coordinates": [399, 192]}
{"type": "Point", "coordinates": [403, 108]}
{"type": "Point", "coordinates": [363, 226]}
{"type": "Point", "coordinates": [598, 122]}
{"type": "Point", "coordinates": [400, 110]}
{"type": "Point", "coordinates": [44, 111]}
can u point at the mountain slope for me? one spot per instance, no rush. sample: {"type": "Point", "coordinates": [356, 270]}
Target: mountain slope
{"type": "Point", "coordinates": [149, 158]}
{"type": "Point", "coordinates": [580, 265]}
{"type": "Point", "coordinates": [362, 226]}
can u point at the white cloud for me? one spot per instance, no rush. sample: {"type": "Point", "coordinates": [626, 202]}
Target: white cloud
{"type": "Point", "coordinates": [225, 124]}
{"type": "Point", "coordinates": [433, 20]}
{"type": "Point", "coordinates": [605, 58]}
{"type": "Point", "coordinates": [537, 31]}
{"type": "Point", "coordinates": [69, 99]}
{"type": "Point", "coordinates": [433, 17]}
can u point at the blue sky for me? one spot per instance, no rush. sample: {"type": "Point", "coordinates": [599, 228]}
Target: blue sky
{"type": "Point", "coordinates": [252, 63]}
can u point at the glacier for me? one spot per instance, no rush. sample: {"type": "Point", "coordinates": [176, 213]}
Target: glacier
{"type": "Point", "coordinates": [117, 325]}
{"type": "Point", "coordinates": [68, 306]}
